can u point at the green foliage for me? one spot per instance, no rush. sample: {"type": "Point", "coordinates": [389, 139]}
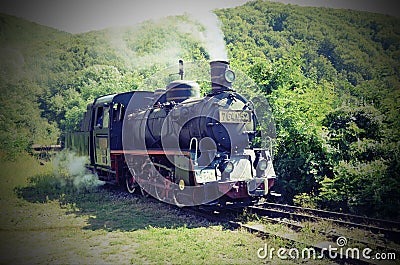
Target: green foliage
{"type": "Point", "coordinates": [299, 105]}
{"type": "Point", "coordinates": [305, 200]}
{"type": "Point", "coordinates": [332, 79]}
{"type": "Point", "coordinates": [353, 132]}
{"type": "Point", "coordinates": [362, 188]}
{"type": "Point", "coordinates": [366, 179]}
{"type": "Point", "coordinates": [135, 53]}
{"type": "Point", "coordinates": [67, 106]}
{"type": "Point", "coordinates": [20, 119]}
{"type": "Point", "coordinates": [48, 77]}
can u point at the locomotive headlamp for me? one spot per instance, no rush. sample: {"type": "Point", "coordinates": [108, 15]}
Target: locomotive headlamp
{"type": "Point", "coordinates": [262, 165]}
{"type": "Point", "coordinates": [228, 167]}
{"type": "Point", "coordinates": [229, 76]}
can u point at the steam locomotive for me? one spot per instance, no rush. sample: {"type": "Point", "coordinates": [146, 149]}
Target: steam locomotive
{"type": "Point", "coordinates": [177, 146]}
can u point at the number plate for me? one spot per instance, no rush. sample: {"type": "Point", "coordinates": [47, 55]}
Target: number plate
{"type": "Point", "coordinates": [235, 116]}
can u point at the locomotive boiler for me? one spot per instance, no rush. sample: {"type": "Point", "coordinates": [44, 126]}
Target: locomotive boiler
{"type": "Point", "coordinates": [178, 146]}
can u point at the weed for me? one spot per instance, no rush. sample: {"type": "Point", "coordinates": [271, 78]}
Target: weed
{"type": "Point", "coordinates": [248, 216]}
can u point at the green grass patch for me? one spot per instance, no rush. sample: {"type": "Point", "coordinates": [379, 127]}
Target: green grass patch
{"type": "Point", "coordinates": [45, 220]}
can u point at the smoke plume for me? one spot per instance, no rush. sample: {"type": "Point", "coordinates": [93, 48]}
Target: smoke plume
{"type": "Point", "coordinates": [168, 54]}
{"type": "Point", "coordinates": [202, 26]}
{"type": "Point", "coordinates": [70, 170]}
{"type": "Point", "coordinates": [212, 37]}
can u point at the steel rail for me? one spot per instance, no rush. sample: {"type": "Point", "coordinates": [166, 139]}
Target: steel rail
{"type": "Point", "coordinates": [336, 215]}
{"type": "Point", "coordinates": [393, 235]}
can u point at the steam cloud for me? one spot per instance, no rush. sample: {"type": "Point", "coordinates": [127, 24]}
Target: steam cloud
{"type": "Point", "coordinates": [70, 169]}
{"type": "Point", "coordinates": [212, 37]}
{"type": "Point", "coordinates": [169, 54]}
{"type": "Point", "coordinates": [203, 26]}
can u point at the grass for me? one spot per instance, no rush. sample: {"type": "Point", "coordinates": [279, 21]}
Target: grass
{"type": "Point", "coordinates": [46, 220]}
{"type": "Point", "coordinates": [43, 221]}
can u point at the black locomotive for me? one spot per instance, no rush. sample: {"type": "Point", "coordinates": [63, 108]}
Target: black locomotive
{"type": "Point", "coordinates": [177, 146]}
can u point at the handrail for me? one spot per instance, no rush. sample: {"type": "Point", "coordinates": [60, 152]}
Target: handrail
{"type": "Point", "coordinates": [194, 139]}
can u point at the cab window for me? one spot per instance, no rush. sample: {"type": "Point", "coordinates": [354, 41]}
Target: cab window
{"type": "Point", "coordinates": [99, 117]}
{"type": "Point", "coordinates": [102, 117]}
{"type": "Point", "coordinates": [118, 112]}
{"type": "Point", "coordinates": [106, 117]}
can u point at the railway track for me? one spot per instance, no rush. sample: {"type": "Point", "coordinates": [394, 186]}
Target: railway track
{"type": "Point", "coordinates": [335, 215]}
{"type": "Point", "coordinates": [334, 253]}
{"type": "Point", "coordinates": [390, 229]}
{"type": "Point", "coordinates": [295, 229]}
{"type": "Point", "coordinates": [292, 237]}
{"type": "Point", "coordinates": [334, 236]}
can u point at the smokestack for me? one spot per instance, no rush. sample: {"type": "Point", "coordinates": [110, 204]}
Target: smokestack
{"type": "Point", "coordinates": [221, 76]}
